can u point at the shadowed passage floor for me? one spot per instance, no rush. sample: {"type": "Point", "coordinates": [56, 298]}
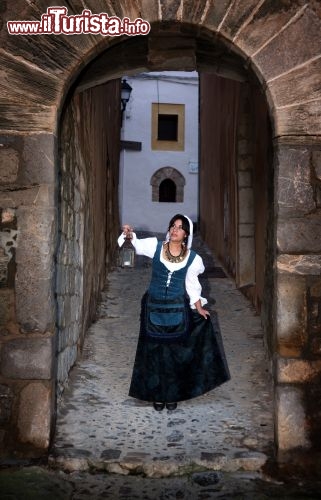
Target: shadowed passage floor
{"type": "Point", "coordinates": [229, 428]}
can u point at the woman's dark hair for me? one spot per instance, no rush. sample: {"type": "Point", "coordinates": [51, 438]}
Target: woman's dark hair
{"type": "Point", "coordinates": [185, 223]}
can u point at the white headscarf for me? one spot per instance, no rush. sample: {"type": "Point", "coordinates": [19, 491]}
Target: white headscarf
{"type": "Point", "coordinates": [190, 237]}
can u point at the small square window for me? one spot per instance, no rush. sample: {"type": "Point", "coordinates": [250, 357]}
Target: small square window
{"type": "Point", "coordinates": [167, 127]}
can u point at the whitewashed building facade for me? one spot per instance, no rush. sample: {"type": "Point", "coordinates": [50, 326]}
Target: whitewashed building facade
{"type": "Point", "coordinates": [159, 157]}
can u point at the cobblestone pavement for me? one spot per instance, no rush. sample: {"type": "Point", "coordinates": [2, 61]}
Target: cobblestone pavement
{"type": "Point", "coordinates": [228, 429]}
{"type": "Point", "coordinates": [37, 483]}
{"type": "Point", "coordinates": [211, 447]}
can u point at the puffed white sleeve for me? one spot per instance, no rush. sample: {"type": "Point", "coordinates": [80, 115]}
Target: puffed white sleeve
{"type": "Point", "coordinates": [144, 246]}
{"type": "Point", "coordinates": [193, 286]}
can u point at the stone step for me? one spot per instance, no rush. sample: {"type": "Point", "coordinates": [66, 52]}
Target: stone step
{"type": "Point", "coordinates": [75, 460]}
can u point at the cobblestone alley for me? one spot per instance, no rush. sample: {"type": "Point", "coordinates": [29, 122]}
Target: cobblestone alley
{"type": "Point", "coordinates": [228, 429]}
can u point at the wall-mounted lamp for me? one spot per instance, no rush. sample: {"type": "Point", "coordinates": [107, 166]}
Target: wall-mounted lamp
{"type": "Point", "coordinates": [126, 90]}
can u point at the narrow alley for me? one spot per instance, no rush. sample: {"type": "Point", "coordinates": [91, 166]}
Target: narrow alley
{"type": "Point", "coordinates": [228, 429]}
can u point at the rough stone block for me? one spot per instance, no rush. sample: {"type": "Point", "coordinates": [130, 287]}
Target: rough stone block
{"type": "Point", "coordinates": [30, 358]}
{"type": "Point", "coordinates": [264, 25]}
{"type": "Point", "coordinates": [35, 268]}
{"type": "Point", "coordinates": [300, 235]}
{"type": "Point", "coordinates": [246, 213]}
{"type": "Point", "coordinates": [291, 314]}
{"type": "Point", "coordinates": [244, 147]}
{"type": "Point", "coordinates": [245, 163]}
{"type": "Point", "coordinates": [291, 422]}
{"type": "Point", "coordinates": [19, 197]}
{"type": "Point", "coordinates": [245, 178]}
{"type": "Point", "coordinates": [293, 87]}
{"type": "Point", "coordinates": [76, 301]}
{"type": "Point", "coordinates": [45, 196]}
{"type": "Point", "coordinates": [246, 230]}
{"type": "Point", "coordinates": [299, 264]}
{"type": "Point", "coordinates": [35, 303]}
{"type": "Point", "coordinates": [9, 165]}
{"type": "Point", "coordinates": [236, 17]}
{"type": "Point", "coordinates": [300, 119]}
{"type": "Point", "coordinates": [34, 418]}
{"type": "Point", "coordinates": [293, 371]}
{"type": "Point", "coordinates": [288, 46]}
{"type": "Point", "coordinates": [38, 157]}
{"type": "Point", "coordinates": [246, 261]}
{"type": "Point", "coordinates": [294, 190]}
{"type": "Point", "coordinates": [37, 234]}
{"type": "Point", "coordinates": [215, 13]}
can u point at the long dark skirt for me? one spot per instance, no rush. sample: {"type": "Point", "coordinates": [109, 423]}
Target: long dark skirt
{"type": "Point", "coordinates": [180, 371]}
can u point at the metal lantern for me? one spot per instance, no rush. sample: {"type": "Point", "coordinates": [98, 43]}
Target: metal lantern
{"type": "Point", "coordinates": [127, 253]}
{"type": "Point", "coordinates": [126, 90]}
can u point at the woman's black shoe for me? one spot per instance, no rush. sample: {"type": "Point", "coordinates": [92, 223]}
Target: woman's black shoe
{"type": "Point", "coordinates": [159, 406]}
{"type": "Point", "coordinates": [171, 406]}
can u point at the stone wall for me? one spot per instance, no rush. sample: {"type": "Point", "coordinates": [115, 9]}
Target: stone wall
{"type": "Point", "coordinates": [45, 309]}
{"type": "Point", "coordinates": [88, 213]}
{"type": "Point", "coordinates": [298, 296]}
{"type": "Point", "coordinates": [28, 235]}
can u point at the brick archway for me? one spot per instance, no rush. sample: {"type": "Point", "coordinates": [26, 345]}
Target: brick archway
{"type": "Point", "coordinates": [168, 173]}
{"type": "Point", "coordinates": [277, 44]}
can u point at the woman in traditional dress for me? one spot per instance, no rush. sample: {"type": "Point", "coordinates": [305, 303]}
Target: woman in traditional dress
{"type": "Point", "coordinates": [179, 353]}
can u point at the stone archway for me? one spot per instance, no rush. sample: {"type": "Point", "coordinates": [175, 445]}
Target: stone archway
{"type": "Point", "coordinates": [168, 173]}
{"type": "Point", "coordinates": [278, 43]}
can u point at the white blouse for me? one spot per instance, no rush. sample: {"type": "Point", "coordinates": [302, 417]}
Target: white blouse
{"type": "Point", "coordinates": [147, 246]}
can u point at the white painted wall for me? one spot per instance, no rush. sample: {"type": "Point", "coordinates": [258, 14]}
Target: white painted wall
{"type": "Point", "coordinates": [137, 167]}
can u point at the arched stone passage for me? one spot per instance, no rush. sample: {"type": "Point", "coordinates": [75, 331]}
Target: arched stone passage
{"type": "Point", "coordinates": [280, 44]}
{"type": "Point", "coordinates": [162, 175]}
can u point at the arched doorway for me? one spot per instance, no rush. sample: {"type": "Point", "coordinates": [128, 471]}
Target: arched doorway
{"type": "Point", "coordinates": [84, 104]}
{"type": "Point", "coordinates": [29, 129]}
{"type": "Point", "coordinates": [168, 185]}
